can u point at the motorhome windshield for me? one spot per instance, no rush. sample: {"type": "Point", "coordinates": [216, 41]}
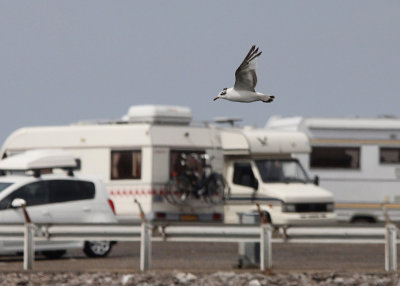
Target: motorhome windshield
{"type": "Point", "coordinates": [281, 171]}
{"type": "Point", "coordinates": [3, 186]}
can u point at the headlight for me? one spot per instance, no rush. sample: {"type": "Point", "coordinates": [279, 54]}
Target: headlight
{"type": "Point", "coordinates": [330, 207]}
{"type": "Point", "coordinates": [289, 208]}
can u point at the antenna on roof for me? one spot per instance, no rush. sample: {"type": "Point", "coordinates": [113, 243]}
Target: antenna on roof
{"type": "Point", "coordinates": [230, 120]}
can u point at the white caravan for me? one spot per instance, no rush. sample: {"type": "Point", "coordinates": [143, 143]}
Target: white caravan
{"type": "Point", "coordinates": [260, 168]}
{"type": "Point", "coordinates": [147, 156]}
{"type": "Point", "coordinates": [358, 159]}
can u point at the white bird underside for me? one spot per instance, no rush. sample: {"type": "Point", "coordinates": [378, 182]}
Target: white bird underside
{"type": "Point", "coordinates": [246, 96]}
{"type": "Point", "coordinates": [246, 81]}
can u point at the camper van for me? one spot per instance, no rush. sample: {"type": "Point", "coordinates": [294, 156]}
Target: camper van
{"type": "Point", "coordinates": [153, 157]}
{"type": "Point", "coordinates": [260, 167]}
{"type": "Point", "coordinates": [358, 159]}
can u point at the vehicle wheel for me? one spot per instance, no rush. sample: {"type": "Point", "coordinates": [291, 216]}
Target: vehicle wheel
{"type": "Point", "coordinates": [54, 254]}
{"type": "Point", "coordinates": [97, 248]}
{"type": "Point", "coordinates": [363, 220]}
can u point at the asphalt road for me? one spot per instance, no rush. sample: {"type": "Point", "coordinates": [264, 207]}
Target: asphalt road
{"type": "Point", "coordinates": [187, 256]}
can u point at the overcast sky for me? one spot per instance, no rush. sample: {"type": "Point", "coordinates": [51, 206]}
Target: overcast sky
{"type": "Point", "coordinates": [65, 61]}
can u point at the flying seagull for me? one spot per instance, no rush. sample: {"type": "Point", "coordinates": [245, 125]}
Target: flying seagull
{"type": "Point", "coordinates": [246, 81]}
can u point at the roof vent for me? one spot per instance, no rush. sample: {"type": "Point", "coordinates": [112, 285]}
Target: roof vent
{"type": "Point", "coordinates": [159, 114]}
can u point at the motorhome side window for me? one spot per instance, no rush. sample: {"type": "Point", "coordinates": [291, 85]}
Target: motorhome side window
{"type": "Point", "coordinates": [243, 174]}
{"type": "Point", "coordinates": [183, 161]}
{"type": "Point", "coordinates": [335, 157]}
{"type": "Point", "coordinates": [389, 155]}
{"type": "Point", "coordinates": [126, 164]}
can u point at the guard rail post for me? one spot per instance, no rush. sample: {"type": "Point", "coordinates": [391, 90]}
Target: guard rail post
{"type": "Point", "coordinates": [391, 248]}
{"type": "Point", "coordinates": [29, 247]}
{"type": "Point", "coordinates": [265, 247]}
{"type": "Point", "coordinates": [145, 246]}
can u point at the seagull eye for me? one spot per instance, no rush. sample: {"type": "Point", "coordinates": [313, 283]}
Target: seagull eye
{"type": "Point", "coordinates": [225, 88]}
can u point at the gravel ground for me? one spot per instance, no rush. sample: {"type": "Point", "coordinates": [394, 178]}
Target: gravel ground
{"type": "Point", "coordinates": [187, 278]}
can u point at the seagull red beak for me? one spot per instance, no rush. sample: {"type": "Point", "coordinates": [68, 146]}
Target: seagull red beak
{"type": "Point", "coordinates": [216, 98]}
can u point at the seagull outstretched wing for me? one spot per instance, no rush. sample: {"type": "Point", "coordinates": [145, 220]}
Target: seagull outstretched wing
{"type": "Point", "coordinates": [246, 76]}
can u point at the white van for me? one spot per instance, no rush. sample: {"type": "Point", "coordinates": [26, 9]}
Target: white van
{"type": "Point", "coordinates": [52, 196]}
{"type": "Point", "coordinates": [358, 159]}
{"type": "Point", "coordinates": [146, 156]}
{"type": "Point", "coordinates": [260, 168]}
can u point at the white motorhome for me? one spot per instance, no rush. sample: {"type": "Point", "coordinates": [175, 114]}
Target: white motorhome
{"type": "Point", "coordinates": [141, 157]}
{"type": "Point", "coordinates": [358, 159]}
{"type": "Point", "coordinates": [260, 168]}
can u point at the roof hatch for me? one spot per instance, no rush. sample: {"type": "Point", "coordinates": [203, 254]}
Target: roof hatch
{"type": "Point", "coordinates": [159, 114]}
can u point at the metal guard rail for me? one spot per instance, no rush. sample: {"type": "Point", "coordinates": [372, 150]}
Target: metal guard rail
{"type": "Point", "coordinates": [146, 233]}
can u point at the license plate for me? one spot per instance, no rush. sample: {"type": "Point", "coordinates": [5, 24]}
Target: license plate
{"type": "Point", "coordinates": [188, 217]}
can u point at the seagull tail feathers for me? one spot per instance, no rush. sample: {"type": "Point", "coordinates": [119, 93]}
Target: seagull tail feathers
{"type": "Point", "coordinates": [267, 98]}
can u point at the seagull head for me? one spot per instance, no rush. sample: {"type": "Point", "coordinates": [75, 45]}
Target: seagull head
{"type": "Point", "coordinates": [222, 94]}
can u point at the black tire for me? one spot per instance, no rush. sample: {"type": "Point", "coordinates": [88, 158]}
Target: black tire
{"type": "Point", "coordinates": [363, 220]}
{"type": "Point", "coordinates": [97, 248]}
{"type": "Point", "coordinates": [54, 254]}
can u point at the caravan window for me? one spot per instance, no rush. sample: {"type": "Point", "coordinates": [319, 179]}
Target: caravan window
{"type": "Point", "coordinates": [335, 157]}
{"type": "Point", "coordinates": [126, 164]}
{"type": "Point", "coordinates": [389, 155]}
{"type": "Point", "coordinates": [183, 161]}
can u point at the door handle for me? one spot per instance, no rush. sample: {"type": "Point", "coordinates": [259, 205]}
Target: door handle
{"type": "Point", "coordinates": [87, 209]}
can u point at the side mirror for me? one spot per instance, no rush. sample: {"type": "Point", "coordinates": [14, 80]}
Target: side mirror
{"type": "Point", "coordinates": [18, 203]}
{"type": "Point", "coordinates": [316, 180]}
{"type": "Point", "coordinates": [255, 184]}
{"type": "Point", "coordinates": [21, 203]}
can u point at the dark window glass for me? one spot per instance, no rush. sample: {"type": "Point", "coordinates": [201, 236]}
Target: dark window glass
{"type": "Point", "coordinates": [281, 171]}
{"type": "Point", "coordinates": [335, 157]}
{"type": "Point", "coordinates": [78, 164]}
{"type": "Point", "coordinates": [185, 161]}
{"type": "Point", "coordinates": [34, 194]}
{"type": "Point", "coordinates": [243, 174]}
{"type": "Point", "coordinates": [126, 165]}
{"type": "Point", "coordinates": [3, 186]}
{"type": "Point", "coordinates": [66, 190]}
{"type": "Point", "coordinates": [389, 155]}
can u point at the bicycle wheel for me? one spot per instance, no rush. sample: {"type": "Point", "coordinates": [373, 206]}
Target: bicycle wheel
{"type": "Point", "coordinates": [215, 189]}
{"type": "Point", "coordinates": [178, 190]}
